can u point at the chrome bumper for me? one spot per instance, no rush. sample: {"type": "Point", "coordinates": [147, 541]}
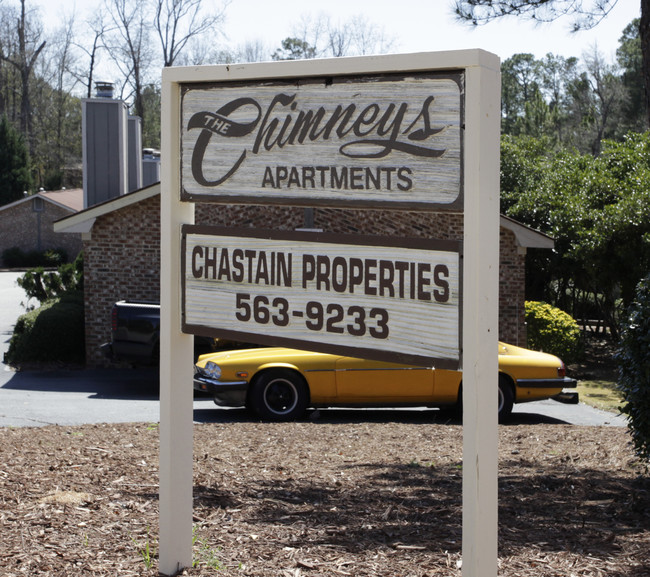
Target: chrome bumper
{"type": "Point", "coordinates": [567, 397]}
{"type": "Point", "coordinates": [224, 393]}
{"type": "Point", "coordinates": [565, 383]}
{"type": "Point", "coordinates": [213, 386]}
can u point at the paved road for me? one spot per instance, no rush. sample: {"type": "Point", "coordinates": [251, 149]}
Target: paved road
{"type": "Point", "coordinates": [75, 397]}
{"type": "Point", "coordinates": [68, 397]}
{"type": "Point", "coordinates": [11, 296]}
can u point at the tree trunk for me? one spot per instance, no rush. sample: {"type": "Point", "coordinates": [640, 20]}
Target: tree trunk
{"type": "Point", "coordinates": [644, 34]}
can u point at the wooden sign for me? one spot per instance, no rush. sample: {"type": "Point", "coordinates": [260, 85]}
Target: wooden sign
{"type": "Point", "coordinates": [367, 297]}
{"type": "Point", "coordinates": [412, 131]}
{"type": "Point", "coordinates": [376, 140]}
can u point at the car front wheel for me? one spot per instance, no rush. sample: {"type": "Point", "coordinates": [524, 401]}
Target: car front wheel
{"type": "Point", "coordinates": [506, 399]}
{"type": "Point", "coordinates": [279, 395]}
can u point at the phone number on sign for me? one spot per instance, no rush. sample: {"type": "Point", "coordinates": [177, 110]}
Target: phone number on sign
{"type": "Point", "coordinates": [332, 318]}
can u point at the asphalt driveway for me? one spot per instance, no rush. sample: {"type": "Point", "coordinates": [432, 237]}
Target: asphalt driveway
{"type": "Point", "coordinates": [76, 397]}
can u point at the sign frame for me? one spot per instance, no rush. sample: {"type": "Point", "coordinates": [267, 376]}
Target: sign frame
{"type": "Point", "coordinates": [398, 353]}
{"type": "Point", "coordinates": [481, 158]}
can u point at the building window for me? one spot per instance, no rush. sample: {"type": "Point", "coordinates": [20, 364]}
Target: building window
{"type": "Point", "coordinates": [37, 204]}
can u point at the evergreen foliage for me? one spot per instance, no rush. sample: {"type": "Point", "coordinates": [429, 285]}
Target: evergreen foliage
{"type": "Point", "coordinates": [53, 333]}
{"type": "Point", "coordinates": [598, 212]}
{"type": "Point", "coordinates": [634, 369]}
{"type": "Point", "coordinates": [15, 177]}
{"type": "Point", "coordinates": [294, 49]}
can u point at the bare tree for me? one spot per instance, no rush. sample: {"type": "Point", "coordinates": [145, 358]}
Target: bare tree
{"type": "Point", "coordinates": [607, 91]}
{"type": "Point", "coordinates": [129, 46]}
{"type": "Point", "coordinates": [311, 31]}
{"type": "Point", "coordinates": [339, 39]}
{"type": "Point", "coordinates": [53, 123]}
{"type": "Point", "coordinates": [585, 14]}
{"type": "Point", "coordinates": [253, 51]}
{"type": "Point", "coordinates": [178, 21]}
{"type": "Point", "coordinates": [328, 38]}
{"type": "Point", "coordinates": [91, 46]}
{"type": "Point", "coordinates": [7, 73]}
{"type": "Point", "coordinates": [201, 51]}
{"type": "Point", "coordinates": [367, 38]}
{"type": "Point", "coordinates": [22, 56]}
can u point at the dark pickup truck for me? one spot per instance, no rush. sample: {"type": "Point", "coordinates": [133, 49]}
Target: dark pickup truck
{"type": "Point", "coordinates": [135, 334]}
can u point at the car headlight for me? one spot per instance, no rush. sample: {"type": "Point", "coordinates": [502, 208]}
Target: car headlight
{"type": "Point", "coordinates": [212, 370]}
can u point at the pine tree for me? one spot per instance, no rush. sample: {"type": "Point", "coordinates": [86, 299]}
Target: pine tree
{"type": "Point", "coordinates": [15, 176]}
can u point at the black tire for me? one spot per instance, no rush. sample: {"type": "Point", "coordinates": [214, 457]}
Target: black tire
{"type": "Point", "coordinates": [279, 395]}
{"type": "Point", "coordinates": [506, 399]}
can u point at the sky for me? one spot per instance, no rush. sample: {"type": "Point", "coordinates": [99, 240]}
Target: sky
{"type": "Point", "coordinates": [416, 25]}
{"type": "Point", "coordinates": [429, 25]}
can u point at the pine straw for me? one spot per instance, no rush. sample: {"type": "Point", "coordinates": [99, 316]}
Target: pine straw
{"type": "Point", "coordinates": [323, 497]}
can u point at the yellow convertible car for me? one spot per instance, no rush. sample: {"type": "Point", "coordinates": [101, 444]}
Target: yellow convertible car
{"type": "Point", "coordinates": [280, 383]}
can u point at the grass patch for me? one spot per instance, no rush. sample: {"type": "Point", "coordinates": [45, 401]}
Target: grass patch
{"type": "Point", "coordinates": [601, 394]}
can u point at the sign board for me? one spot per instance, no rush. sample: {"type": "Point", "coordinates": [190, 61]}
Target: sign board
{"type": "Point", "coordinates": [408, 131]}
{"type": "Point", "coordinates": [368, 297]}
{"type": "Point", "coordinates": [372, 140]}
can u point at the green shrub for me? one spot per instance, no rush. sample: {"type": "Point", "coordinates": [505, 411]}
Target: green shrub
{"type": "Point", "coordinates": [53, 180]}
{"type": "Point", "coordinates": [55, 257]}
{"type": "Point", "coordinates": [52, 333]}
{"type": "Point", "coordinates": [47, 285]}
{"type": "Point", "coordinates": [553, 331]}
{"type": "Point", "coordinates": [634, 369]}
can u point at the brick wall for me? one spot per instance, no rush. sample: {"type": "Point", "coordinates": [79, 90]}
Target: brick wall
{"type": "Point", "coordinates": [24, 228]}
{"type": "Point", "coordinates": [122, 261]}
{"type": "Point", "coordinates": [512, 291]}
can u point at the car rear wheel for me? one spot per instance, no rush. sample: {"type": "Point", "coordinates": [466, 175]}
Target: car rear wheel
{"type": "Point", "coordinates": [279, 395]}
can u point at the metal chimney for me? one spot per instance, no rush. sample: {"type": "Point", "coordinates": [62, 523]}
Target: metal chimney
{"type": "Point", "coordinates": [104, 89]}
{"type": "Point", "coordinates": [135, 153]}
{"type": "Point", "coordinates": [105, 149]}
{"type": "Point", "coordinates": [150, 166]}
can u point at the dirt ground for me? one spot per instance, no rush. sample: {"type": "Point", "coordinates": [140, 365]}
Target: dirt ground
{"type": "Point", "coordinates": [322, 497]}
{"type": "Point", "coordinates": [380, 496]}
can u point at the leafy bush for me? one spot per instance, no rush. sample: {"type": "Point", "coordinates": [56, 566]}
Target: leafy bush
{"type": "Point", "coordinates": [46, 285]}
{"type": "Point", "coordinates": [552, 330]}
{"type": "Point", "coordinates": [52, 333]}
{"type": "Point", "coordinates": [598, 211]}
{"type": "Point", "coordinates": [634, 369]}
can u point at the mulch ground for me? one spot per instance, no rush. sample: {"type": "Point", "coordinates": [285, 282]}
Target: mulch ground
{"type": "Point", "coordinates": [322, 498]}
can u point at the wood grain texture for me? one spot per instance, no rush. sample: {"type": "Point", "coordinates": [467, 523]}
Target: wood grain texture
{"type": "Point", "coordinates": [325, 294]}
{"type": "Point", "coordinates": [354, 141]}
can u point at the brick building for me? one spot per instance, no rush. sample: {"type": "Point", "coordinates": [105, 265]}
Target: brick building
{"type": "Point", "coordinates": [121, 239]}
{"type": "Point", "coordinates": [27, 224]}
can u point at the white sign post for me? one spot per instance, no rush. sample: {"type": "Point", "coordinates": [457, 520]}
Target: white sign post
{"type": "Point", "coordinates": [418, 132]}
{"type": "Point", "coordinates": [480, 321]}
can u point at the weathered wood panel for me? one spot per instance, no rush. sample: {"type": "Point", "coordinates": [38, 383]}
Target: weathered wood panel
{"type": "Point", "coordinates": [364, 296]}
{"type": "Point", "coordinates": [355, 141]}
